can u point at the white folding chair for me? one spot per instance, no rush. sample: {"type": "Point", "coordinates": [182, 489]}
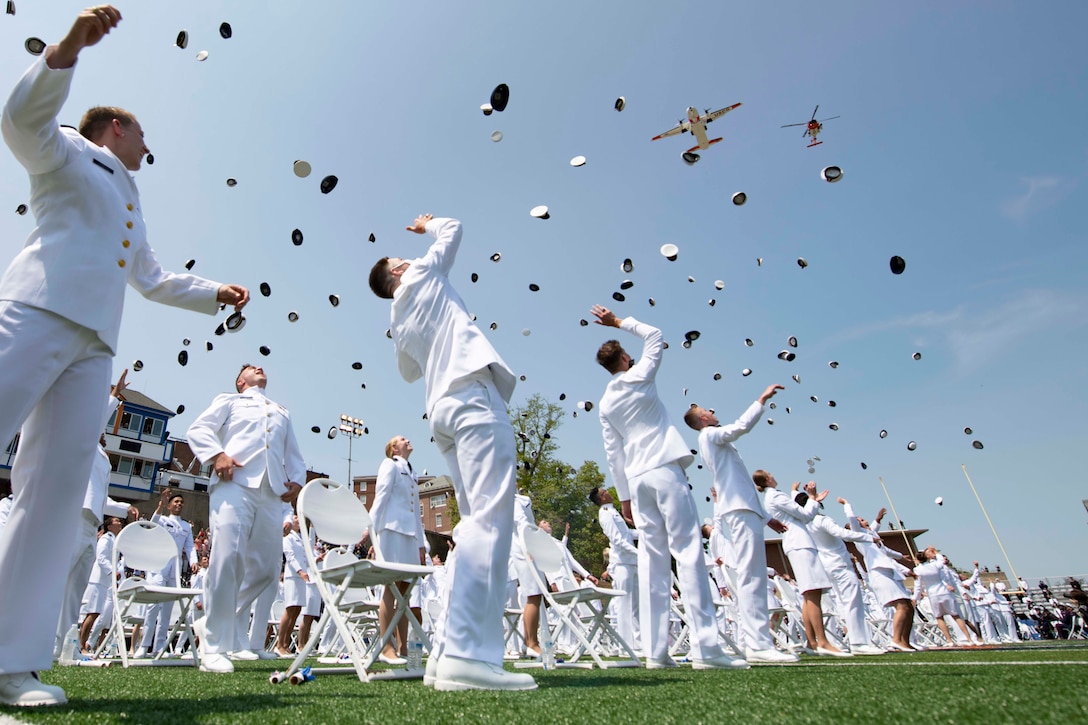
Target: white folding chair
{"type": "Point", "coordinates": [341, 519]}
{"type": "Point", "coordinates": [146, 546]}
{"type": "Point", "coordinates": [547, 555]}
{"type": "Point", "coordinates": [791, 603]}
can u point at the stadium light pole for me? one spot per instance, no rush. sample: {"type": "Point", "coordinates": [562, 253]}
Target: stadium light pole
{"type": "Point", "coordinates": [353, 428]}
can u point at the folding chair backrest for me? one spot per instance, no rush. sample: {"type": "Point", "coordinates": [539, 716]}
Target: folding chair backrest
{"type": "Point", "coordinates": [335, 513]}
{"type": "Point", "coordinates": [336, 557]}
{"type": "Point", "coordinates": [146, 546]}
{"type": "Point", "coordinates": [542, 549]}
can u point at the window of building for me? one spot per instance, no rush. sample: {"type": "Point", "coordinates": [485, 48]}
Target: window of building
{"type": "Point", "coordinates": [131, 421]}
{"type": "Point", "coordinates": [439, 501]}
{"type": "Point", "coordinates": [124, 466]}
{"type": "Point", "coordinates": [153, 427]}
{"type": "Point", "coordinates": [438, 521]}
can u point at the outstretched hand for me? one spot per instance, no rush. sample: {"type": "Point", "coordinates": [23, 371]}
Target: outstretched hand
{"type": "Point", "coordinates": [90, 26]}
{"type": "Point", "coordinates": [120, 387]}
{"type": "Point", "coordinates": [233, 294]}
{"type": "Point", "coordinates": [769, 393]}
{"type": "Point", "coordinates": [419, 226]}
{"type": "Point", "coordinates": [605, 316]}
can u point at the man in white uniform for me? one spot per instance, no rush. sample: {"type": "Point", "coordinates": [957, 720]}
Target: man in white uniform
{"type": "Point", "coordinates": [647, 458]}
{"type": "Point", "coordinates": [157, 620]}
{"type": "Point", "coordinates": [60, 315]}
{"type": "Point", "coordinates": [622, 565]}
{"type": "Point", "coordinates": [737, 505]}
{"type": "Point", "coordinates": [258, 474]}
{"type": "Point", "coordinates": [830, 541]}
{"type": "Point", "coordinates": [468, 386]}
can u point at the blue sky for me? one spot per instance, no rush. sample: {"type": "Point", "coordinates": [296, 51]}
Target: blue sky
{"type": "Point", "coordinates": [961, 138]}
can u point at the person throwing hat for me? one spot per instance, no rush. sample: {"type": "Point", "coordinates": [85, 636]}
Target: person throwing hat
{"type": "Point", "coordinates": [61, 301]}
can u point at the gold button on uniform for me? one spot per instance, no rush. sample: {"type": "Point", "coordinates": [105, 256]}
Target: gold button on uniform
{"type": "Point", "coordinates": [126, 244]}
{"type": "Point", "coordinates": [128, 224]}
{"type": "Point", "coordinates": [128, 206]}
{"type": "Point", "coordinates": [121, 263]}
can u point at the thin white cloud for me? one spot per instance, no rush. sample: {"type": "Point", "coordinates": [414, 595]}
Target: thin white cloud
{"type": "Point", "coordinates": [976, 337]}
{"type": "Point", "coordinates": [1039, 193]}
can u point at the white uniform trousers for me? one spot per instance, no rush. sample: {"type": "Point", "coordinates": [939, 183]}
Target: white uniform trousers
{"type": "Point", "coordinates": [262, 613]}
{"type": "Point", "coordinates": [750, 564]}
{"type": "Point", "coordinates": [851, 605]}
{"type": "Point", "coordinates": [159, 617]}
{"type": "Point", "coordinates": [669, 525]}
{"type": "Point", "coordinates": [990, 635]}
{"type": "Point", "coordinates": [246, 529]}
{"type": "Point", "coordinates": [55, 375]}
{"type": "Point", "coordinates": [78, 576]}
{"type": "Point", "coordinates": [625, 579]}
{"type": "Point", "coordinates": [473, 432]}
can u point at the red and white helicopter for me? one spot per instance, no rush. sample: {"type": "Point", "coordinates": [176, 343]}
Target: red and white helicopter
{"type": "Point", "coordinates": [812, 127]}
{"type": "Point", "coordinates": [696, 126]}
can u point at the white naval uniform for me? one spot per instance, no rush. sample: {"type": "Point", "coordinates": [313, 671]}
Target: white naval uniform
{"type": "Point", "coordinates": [99, 581]}
{"type": "Point", "coordinates": [646, 459]}
{"type": "Point", "coordinates": [61, 302]}
{"type": "Point", "coordinates": [523, 517]}
{"type": "Point", "coordinates": [740, 510]}
{"type": "Point", "coordinates": [297, 592]}
{"type": "Point", "coordinates": [941, 601]}
{"type": "Point", "coordinates": [885, 575]}
{"type": "Point", "coordinates": [835, 557]}
{"type": "Point", "coordinates": [468, 387]}
{"type": "Point", "coordinates": [797, 542]}
{"type": "Point", "coordinates": [159, 617]}
{"type": "Point", "coordinates": [398, 527]}
{"type": "Point", "coordinates": [5, 509]}
{"type": "Point", "coordinates": [623, 567]}
{"type": "Point", "coordinates": [246, 513]}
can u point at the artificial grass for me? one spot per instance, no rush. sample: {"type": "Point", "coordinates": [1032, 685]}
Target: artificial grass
{"type": "Point", "coordinates": [948, 686]}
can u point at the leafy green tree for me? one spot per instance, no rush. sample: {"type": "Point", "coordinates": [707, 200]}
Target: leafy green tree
{"type": "Point", "coordinates": [560, 492]}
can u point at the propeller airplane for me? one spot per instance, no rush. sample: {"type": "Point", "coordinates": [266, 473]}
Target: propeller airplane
{"type": "Point", "coordinates": [695, 124]}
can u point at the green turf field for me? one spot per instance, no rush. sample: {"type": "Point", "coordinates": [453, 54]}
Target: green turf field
{"type": "Point", "coordinates": [1035, 683]}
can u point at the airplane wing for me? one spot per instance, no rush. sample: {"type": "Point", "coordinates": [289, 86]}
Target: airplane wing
{"type": "Point", "coordinates": [720, 112]}
{"type": "Point", "coordinates": [679, 128]}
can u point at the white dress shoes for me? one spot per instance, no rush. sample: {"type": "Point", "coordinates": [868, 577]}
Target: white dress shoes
{"type": "Point", "coordinates": [721, 662]}
{"type": "Point", "coordinates": [216, 662]}
{"type": "Point", "coordinates": [244, 655]}
{"type": "Point", "coordinates": [24, 689]}
{"type": "Point", "coordinates": [770, 656]}
{"type": "Point", "coordinates": [666, 664]}
{"type": "Point", "coordinates": [824, 651]}
{"type": "Point", "coordinates": [865, 649]}
{"type": "Point", "coordinates": [454, 674]}
{"type": "Point", "coordinates": [430, 671]}
{"type": "Point", "coordinates": [394, 661]}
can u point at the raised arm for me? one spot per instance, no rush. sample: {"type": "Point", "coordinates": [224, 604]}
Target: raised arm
{"type": "Point", "coordinates": [447, 240]}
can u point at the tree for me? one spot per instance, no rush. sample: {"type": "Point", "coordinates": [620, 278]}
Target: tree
{"type": "Point", "coordinates": [560, 492]}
